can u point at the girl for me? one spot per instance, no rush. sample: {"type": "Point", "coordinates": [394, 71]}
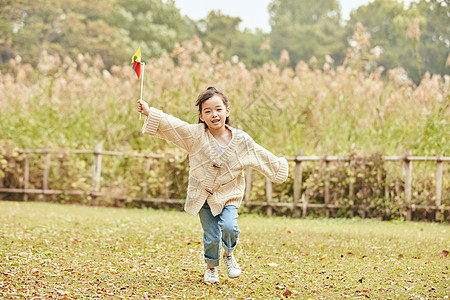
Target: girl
{"type": "Point", "coordinates": [218, 154]}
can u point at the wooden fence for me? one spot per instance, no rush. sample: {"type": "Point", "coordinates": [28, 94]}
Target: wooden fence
{"type": "Point", "coordinates": [299, 206]}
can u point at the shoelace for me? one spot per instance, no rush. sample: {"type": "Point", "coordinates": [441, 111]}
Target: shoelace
{"type": "Point", "coordinates": [212, 272]}
{"type": "Point", "coordinates": [230, 262]}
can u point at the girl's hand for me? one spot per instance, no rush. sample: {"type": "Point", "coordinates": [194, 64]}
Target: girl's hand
{"type": "Point", "coordinates": [143, 107]}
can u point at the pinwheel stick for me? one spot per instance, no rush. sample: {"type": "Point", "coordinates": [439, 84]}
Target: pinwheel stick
{"type": "Point", "coordinates": [142, 83]}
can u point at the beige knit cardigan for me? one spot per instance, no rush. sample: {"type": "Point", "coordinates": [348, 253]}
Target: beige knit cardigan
{"type": "Point", "coordinates": [217, 179]}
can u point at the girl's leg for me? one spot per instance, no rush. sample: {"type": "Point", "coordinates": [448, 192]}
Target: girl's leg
{"type": "Point", "coordinates": [230, 236]}
{"type": "Point", "coordinates": [230, 230]}
{"type": "Point", "coordinates": [211, 236]}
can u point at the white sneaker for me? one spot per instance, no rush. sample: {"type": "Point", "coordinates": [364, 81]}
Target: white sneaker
{"type": "Point", "coordinates": [211, 276]}
{"type": "Point", "coordinates": [233, 268]}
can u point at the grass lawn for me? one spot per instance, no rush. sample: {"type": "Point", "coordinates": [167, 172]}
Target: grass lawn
{"type": "Point", "coordinates": [75, 252]}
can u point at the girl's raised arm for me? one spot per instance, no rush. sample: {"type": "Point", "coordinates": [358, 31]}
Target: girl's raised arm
{"type": "Point", "coordinates": [273, 167]}
{"type": "Point", "coordinates": [168, 127]}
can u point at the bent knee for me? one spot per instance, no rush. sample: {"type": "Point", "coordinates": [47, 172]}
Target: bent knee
{"type": "Point", "coordinates": [230, 229]}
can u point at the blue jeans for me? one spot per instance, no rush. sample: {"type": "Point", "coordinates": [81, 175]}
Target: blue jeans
{"type": "Point", "coordinates": [217, 230]}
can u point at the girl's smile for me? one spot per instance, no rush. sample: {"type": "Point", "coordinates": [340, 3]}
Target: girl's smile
{"type": "Point", "coordinates": [214, 113]}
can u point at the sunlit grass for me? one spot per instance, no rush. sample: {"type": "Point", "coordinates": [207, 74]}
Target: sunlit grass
{"type": "Point", "coordinates": [57, 251]}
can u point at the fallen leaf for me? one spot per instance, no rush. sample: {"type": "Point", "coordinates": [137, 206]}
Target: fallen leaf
{"type": "Point", "coordinates": [443, 254]}
{"type": "Point", "coordinates": [287, 293]}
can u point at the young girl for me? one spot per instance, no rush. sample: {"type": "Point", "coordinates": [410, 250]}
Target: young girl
{"type": "Point", "coordinates": [218, 154]}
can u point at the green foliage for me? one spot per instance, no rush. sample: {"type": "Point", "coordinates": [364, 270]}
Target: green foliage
{"type": "Point", "coordinates": [360, 182]}
{"type": "Point", "coordinates": [334, 111]}
{"type": "Point", "coordinates": [56, 251]}
{"type": "Point", "coordinates": [307, 28]}
{"type": "Point", "coordinates": [415, 39]}
{"type": "Point", "coordinates": [153, 25]}
{"type": "Point", "coordinates": [434, 49]}
{"type": "Point", "coordinates": [433, 131]}
{"type": "Point", "coordinates": [219, 29]}
{"type": "Point", "coordinates": [63, 27]}
{"type": "Point", "coordinates": [11, 167]}
{"type": "Point", "coordinates": [111, 29]}
{"type": "Point", "coordinates": [221, 33]}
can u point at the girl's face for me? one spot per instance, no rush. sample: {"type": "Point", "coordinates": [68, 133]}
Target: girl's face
{"type": "Point", "coordinates": [214, 112]}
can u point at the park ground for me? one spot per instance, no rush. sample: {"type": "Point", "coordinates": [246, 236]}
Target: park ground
{"type": "Point", "coordinates": [52, 251]}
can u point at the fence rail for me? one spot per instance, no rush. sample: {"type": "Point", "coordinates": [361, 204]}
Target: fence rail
{"type": "Point", "coordinates": [299, 206]}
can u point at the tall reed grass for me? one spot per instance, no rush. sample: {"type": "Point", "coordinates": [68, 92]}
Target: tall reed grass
{"type": "Point", "coordinates": [322, 110]}
{"type": "Point", "coordinates": [335, 110]}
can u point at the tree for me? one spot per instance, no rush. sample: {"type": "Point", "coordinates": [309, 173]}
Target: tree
{"type": "Point", "coordinates": [416, 38]}
{"type": "Point", "coordinates": [307, 28]}
{"type": "Point", "coordinates": [220, 30]}
{"type": "Point", "coordinates": [7, 13]}
{"type": "Point", "coordinates": [434, 43]}
{"type": "Point", "coordinates": [223, 33]}
{"type": "Point", "coordinates": [154, 25]}
{"type": "Point", "coordinates": [255, 49]}
{"type": "Point", "coordinates": [65, 27]}
{"type": "Point", "coordinates": [385, 23]}
{"type": "Point", "coordinates": [112, 29]}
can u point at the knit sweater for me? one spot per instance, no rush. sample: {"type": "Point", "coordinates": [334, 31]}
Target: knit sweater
{"type": "Point", "coordinates": [217, 179]}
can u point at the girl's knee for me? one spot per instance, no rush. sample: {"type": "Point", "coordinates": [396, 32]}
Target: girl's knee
{"type": "Point", "coordinates": [229, 228]}
{"type": "Point", "coordinates": [211, 239]}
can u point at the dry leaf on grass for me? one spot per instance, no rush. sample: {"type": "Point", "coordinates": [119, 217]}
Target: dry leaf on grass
{"type": "Point", "coordinates": [443, 254]}
{"type": "Point", "coordinates": [287, 293]}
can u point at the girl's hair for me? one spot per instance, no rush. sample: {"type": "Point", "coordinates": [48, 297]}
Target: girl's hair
{"type": "Point", "coordinates": [210, 92]}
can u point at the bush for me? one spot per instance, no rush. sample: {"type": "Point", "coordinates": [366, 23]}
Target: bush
{"type": "Point", "coordinates": [334, 111]}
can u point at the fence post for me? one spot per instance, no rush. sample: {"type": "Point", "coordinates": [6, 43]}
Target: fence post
{"type": "Point", "coordinates": [248, 186]}
{"type": "Point", "coordinates": [97, 172]}
{"type": "Point", "coordinates": [408, 180]}
{"type": "Point", "coordinates": [269, 197]}
{"type": "Point", "coordinates": [387, 195]}
{"type": "Point", "coordinates": [439, 171]}
{"type": "Point", "coordinates": [46, 171]}
{"type": "Point", "coordinates": [351, 194]}
{"type": "Point", "coordinates": [327, 187]}
{"type": "Point", "coordinates": [167, 187]}
{"type": "Point", "coordinates": [26, 178]}
{"type": "Point", "coordinates": [351, 188]}
{"type": "Point", "coordinates": [298, 172]}
{"type": "Point", "coordinates": [147, 169]}
{"type": "Point", "coordinates": [304, 205]}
